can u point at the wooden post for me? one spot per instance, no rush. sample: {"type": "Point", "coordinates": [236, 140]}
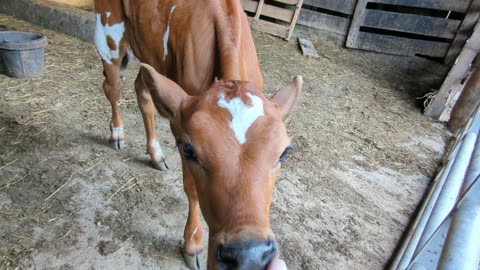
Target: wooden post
{"type": "Point", "coordinates": [468, 101]}
{"type": "Point", "coordinates": [358, 18]}
{"type": "Point", "coordinates": [294, 19]}
{"type": "Point", "coordinates": [447, 96]}
{"type": "Point", "coordinates": [259, 10]}
{"type": "Point", "coordinates": [461, 35]}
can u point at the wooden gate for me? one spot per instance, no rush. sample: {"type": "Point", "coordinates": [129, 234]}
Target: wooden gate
{"type": "Point", "coordinates": [406, 27]}
{"type": "Point", "coordinates": [276, 17]}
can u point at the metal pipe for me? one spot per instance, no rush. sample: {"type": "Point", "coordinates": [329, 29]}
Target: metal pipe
{"type": "Point", "coordinates": [423, 215]}
{"type": "Point", "coordinates": [407, 244]}
{"type": "Point", "coordinates": [449, 193]}
{"type": "Point", "coordinates": [408, 249]}
{"type": "Point", "coordinates": [462, 246]}
{"type": "Point", "coordinates": [410, 243]}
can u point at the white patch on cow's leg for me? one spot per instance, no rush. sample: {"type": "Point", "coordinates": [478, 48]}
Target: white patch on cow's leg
{"type": "Point", "coordinates": [166, 35]}
{"type": "Point", "coordinates": [117, 137]}
{"type": "Point", "coordinates": [158, 159]}
{"type": "Point", "coordinates": [158, 150]}
{"type": "Point", "coordinates": [115, 31]}
{"type": "Point", "coordinates": [117, 132]}
{"type": "Point", "coordinates": [243, 116]}
{"type": "Point", "coordinates": [194, 232]}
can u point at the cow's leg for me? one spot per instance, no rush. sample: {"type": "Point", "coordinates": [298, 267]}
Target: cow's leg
{"type": "Point", "coordinates": [147, 108]}
{"type": "Point", "coordinates": [111, 87]}
{"type": "Point", "coordinates": [193, 229]}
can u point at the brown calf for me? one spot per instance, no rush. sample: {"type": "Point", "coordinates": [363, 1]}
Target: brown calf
{"type": "Point", "coordinates": [231, 138]}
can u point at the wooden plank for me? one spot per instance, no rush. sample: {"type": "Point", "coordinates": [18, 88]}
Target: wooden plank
{"type": "Point", "coordinates": [307, 47]}
{"type": "Point", "coordinates": [357, 21]}
{"type": "Point", "coordinates": [451, 5]}
{"type": "Point", "coordinates": [411, 23]}
{"type": "Point", "coordinates": [399, 45]}
{"type": "Point", "coordinates": [259, 9]}
{"type": "Point", "coordinates": [249, 5]}
{"type": "Point", "coordinates": [324, 21]}
{"type": "Point", "coordinates": [288, 2]}
{"type": "Point", "coordinates": [282, 14]}
{"type": "Point", "coordinates": [466, 27]}
{"type": "Point", "coordinates": [449, 90]}
{"type": "Point", "coordinates": [268, 27]}
{"type": "Point", "coordinates": [294, 19]}
{"type": "Point", "coordinates": [343, 6]}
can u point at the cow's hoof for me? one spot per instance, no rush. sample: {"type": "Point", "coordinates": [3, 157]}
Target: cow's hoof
{"type": "Point", "coordinates": [191, 261]}
{"type": "Point", "coordinates": [160, 165]}
{"type": "Point", "coordinates": [117, 144]}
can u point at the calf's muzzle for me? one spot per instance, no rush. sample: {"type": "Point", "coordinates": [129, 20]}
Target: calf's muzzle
{"type": "Point", "coordinates": [251, 255]}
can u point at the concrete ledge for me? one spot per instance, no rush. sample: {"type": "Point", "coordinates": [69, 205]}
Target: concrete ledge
{"type": "Point", "coordinates": [68, 20]}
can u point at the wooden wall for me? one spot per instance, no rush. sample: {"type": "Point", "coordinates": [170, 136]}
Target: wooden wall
{"type": "Point", "coordinates": [327, 15]}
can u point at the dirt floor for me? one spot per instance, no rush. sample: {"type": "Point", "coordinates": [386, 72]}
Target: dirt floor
{"type": "Point", "coordinates": [69, 201]}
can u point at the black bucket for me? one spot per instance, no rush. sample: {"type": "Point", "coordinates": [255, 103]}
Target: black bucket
{"type": "Point", "coordinates": [22, 54]}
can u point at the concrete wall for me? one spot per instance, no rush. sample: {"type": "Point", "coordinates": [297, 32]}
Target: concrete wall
{"type": "Point", "coordinates": [69, 20]}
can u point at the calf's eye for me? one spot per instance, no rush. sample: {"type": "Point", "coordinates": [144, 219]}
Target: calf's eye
{"type": "Point", "coordinates": [188, 152]}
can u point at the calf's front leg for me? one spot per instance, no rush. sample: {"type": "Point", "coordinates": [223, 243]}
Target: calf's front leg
{"type": "Point", "coordinates": [145, 103]}
{"type": "Point", "coordinates": [193, 245]}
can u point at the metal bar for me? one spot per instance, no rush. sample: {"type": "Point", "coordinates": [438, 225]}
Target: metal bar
{"type": "Point", "coordinates": [462, 249]}
{"type": "Point", "coordinates": [448, 196]}
{"type": "Point", "coordinates": [410, 244]}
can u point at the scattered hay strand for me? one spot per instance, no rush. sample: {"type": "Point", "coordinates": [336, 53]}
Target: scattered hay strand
{"type": "Point", "coordinates": [44, 111]}
{"type": "Point", "coordinates": [11, 183]}
{"type": "Point", "coordinates": [10, 153]}
{"type": "Point", "coordinates": [26, 260]}
{"type": "Point", "coordinates": [38, 133]}
{"type": "Point", "coordinates": [428, 98]}
{"type": "Point", "coordinates": [121, 189]}
{"type": "Point", "coordinates": [6, 165]}
{"type": "Point", "coordinates": [121, 245]}
{"type": "Point", "coordinates": [17, 86]}
{"type": "Point", "coordinates": [65, 235]}
{"type": "Point", "coordinates": [51, 195]}
{"type": "Point", "coordinates": [93, 166]}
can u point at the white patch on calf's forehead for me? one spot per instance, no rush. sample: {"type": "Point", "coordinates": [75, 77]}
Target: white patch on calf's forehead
{"type": "Point", "coordinates": [243, 115]}
{"type": "Point", "coordinates": [167, 34]}
{"type": "Point", "coordinates": [102, 32]}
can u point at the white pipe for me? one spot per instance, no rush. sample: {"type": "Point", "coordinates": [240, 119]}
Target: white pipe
{"type": "Point", "coordinates": [422, 217]}
{"type": "Point", "coordinates": [449, 193]}
{"type": "Point", "coordinates": [407, 244]}
{"type": "Point", "coordinates": [410, 245]}
{"type": "Point", "coordinates": [462, 248]}
{"type": "Point", "coordinates": [474, 125]}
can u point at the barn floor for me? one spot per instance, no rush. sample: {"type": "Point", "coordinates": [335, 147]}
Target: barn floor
{"type": "Point", "coordinates": [69, 201]}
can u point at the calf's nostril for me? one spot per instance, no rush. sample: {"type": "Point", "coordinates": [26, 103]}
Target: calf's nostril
{"type": "Point", "coordinates": [270, 252]}
{"type": "Point", "coordinates": [246, 255]}
{"type": "Point", "coordinates": [227, 255]}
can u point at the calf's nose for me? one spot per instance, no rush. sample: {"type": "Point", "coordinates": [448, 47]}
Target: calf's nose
{"type": "Point", "coordinates": [251, 255]}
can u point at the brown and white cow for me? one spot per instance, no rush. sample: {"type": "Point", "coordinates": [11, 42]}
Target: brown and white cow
{"type": "Point", "coordinates": [231, 138]}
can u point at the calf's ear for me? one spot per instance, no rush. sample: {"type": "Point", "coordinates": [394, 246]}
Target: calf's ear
{"type": "Point", "coordinates": [166, 94]}
{"type": "Point", "coordinates": [287, 96]}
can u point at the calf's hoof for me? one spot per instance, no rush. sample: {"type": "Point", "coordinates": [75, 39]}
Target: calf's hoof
{"type": "Point", "coordinates": [160, 165]}
{"type": "Point", "coordinates": [116, 137]}
{"type": "Point", "coordinates": [117, 144]}
{"type": "Point", "coordinates": [191, 261]}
